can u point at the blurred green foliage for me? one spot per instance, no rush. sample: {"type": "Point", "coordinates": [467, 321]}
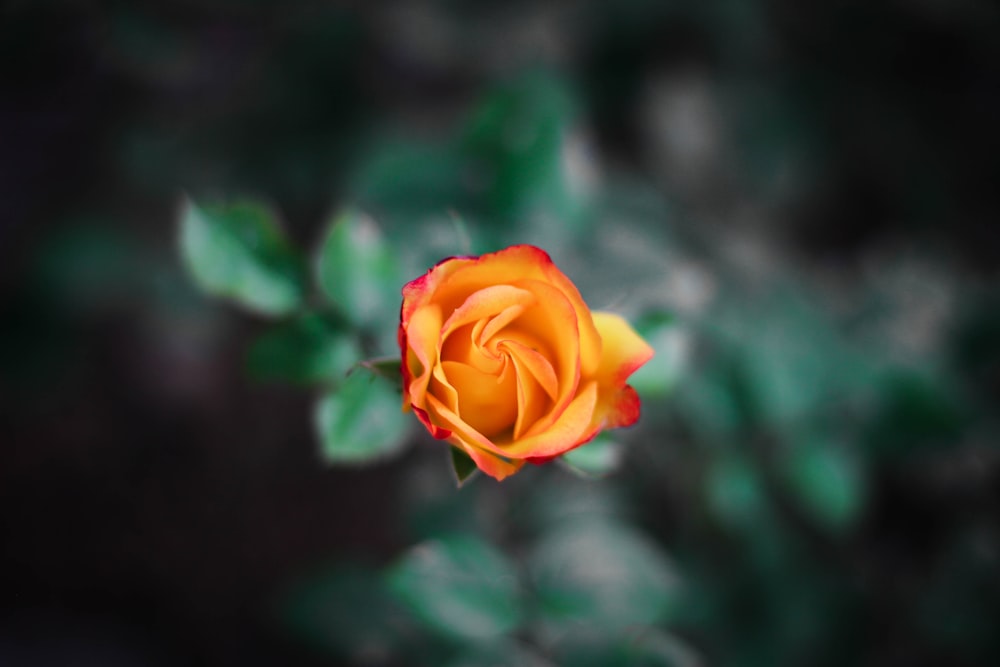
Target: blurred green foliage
{"type": "Point", "coordinates": [355, 270]}
{"type": "Point", "coordinates": [361, 420]}
{"type": "Point", "coordinates": [238, 251]}
{"type": "Point", "coordinates": [788, 202]}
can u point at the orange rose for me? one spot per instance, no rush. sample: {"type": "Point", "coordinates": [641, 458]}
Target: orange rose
{"type": "Point", "coordinates": [503, 359]}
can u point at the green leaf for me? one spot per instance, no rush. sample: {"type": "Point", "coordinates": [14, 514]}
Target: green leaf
{"type": "Point", "coordinates": [659, 375]}
{"type": "Point", "coordinates": [463, 466]}
{"type": "Point", "coordinates": [310, 348]}
{"type": "Point", "coordinates": [459, 587]}
{"type": "Point", "coordinates": [735, 492]}
{"type": "Point", "coordinates": [239, 252]}
{"type": "Point", "coordinates": [361, 422]}
{"type": "Point", "coordinates": [599, 457]}
{"type": "Point", "coordinates": [827, 483]}
{"type": "Point", "coordinates": [356, 270]}
{"type": "Point", "coordinates": [601, 575]}
{"type": "Point", "coordinates": [520, 142]}
{"type": "Point", "coordinates": [411, 178]}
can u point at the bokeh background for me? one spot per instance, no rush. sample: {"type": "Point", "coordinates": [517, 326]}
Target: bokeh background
{"type": "Point", "coordinates": [796, 202]}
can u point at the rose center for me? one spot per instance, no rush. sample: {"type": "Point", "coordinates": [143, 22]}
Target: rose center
{"type": "Point", "coordinates": [501, 376]}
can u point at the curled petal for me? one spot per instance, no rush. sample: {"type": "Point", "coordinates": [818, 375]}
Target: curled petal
{"type": "Point", "coordinates": [572, 426]}
{"type": "Point", "coordinates": [461, 432]}
{"type": "Point", "coordinates": [491, 464]}
{"type": "Point", "coordinates": [486, 402]}
{"type": "Point", "coordinates": [421, 337]}
{"type": "Point", "coordinates": [488, 302]}
{"type": "Point", "coordinates": [624, 352]}
{"type": "Point", "coordinates": [421, 291]}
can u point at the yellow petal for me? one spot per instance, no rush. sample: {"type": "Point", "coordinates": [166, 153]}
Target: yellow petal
{"type": "Point", "coordinates": [624, 352]}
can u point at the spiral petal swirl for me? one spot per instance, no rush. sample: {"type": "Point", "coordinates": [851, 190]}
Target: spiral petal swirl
{"type": "Point", "coordinates": [504, 360]}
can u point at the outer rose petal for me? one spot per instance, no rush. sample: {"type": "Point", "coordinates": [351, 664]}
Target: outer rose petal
{"type": "Point", "coordinates": [420, 291]}
{"type": "Point", "coordinates": [624, 352]}
{"type": "Point", "coordinates": [420, 340]}
{"type": "Point", "coordinates": [492, 465]}
{"type": "Point", "coordinates": [567, 432]}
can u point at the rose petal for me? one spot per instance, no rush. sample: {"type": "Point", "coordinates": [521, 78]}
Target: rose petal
{"type": "Point", "coordinates": [442, 387]}
{"type": "Point", "coordinates": [553, 313]}
{"type": "Point", "coordinates": [436, 431]}
{"type": "Point", "coordinates": [461, 431]}
{"type": "Point", "coordinates": [421, 335]}
{"type": "Point", "coordinates": [533, 362]}
{"type": "Point", "coordinates": [619, 409]}
{"type": "Point", "coordinates": [572, 425]}
{"type": "Point", "coordinates": [492, 465]}
{"type": "Point", "coordinates": [486, 402]}
{"type": "Point", "coordinates": [537, 385]}
{"type": "Point", "coordinates": [587, 437]}
{"type": "Point", "coordinates": [488, 302]}
{"type": "Point", "coordinates": [624, 352]}
{"type": "Point", "coordinates": [420, 291]}
{"type": "Point", "coordinates": [506, 267]}
{"type": "Point", "coordinates": [531, 402]}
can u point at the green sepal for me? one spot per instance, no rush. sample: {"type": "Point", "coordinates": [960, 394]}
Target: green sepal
{"type": "Point", "coordinates": [462, 465]}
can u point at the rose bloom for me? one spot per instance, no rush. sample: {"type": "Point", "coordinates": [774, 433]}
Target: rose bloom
{"type": "Point", "coordinates": [503, 359]}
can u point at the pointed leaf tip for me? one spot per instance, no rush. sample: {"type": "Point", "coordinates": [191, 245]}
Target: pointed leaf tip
{"type": "Point", "coordinates": [463, 466]}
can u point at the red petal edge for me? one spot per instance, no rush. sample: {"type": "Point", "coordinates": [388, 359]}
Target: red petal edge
{"type": "Point", "coordinates": [436, 431]}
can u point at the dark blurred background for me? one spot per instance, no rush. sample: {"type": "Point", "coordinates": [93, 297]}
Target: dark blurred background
{"type": "Point", "coordinates": [807, 192]}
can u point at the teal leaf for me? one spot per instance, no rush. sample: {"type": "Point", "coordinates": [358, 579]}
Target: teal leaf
{"type": "Point", "coordinates": [520, 140]}
{"type": "Point", "coordinates": [672, 344]}
{"type": "Point", "coordinates": [409, 178]}
{"type": "Point", "coordinates": [463, 466]}
{"type": "Point", "coordinates": [238, 251]}
{"type": "Point", "coordinates": [361, 422]}
{"type": "Point", "coordinates": [599, 457]}
{"type": "Point", "coordinates": [309, 349]}
{"type": "Point", "coordinates": [735, 492]}
{"type": "Point", "coordinates": [599, 574]}
{"type": "Point", "coordinates": [827, 484]}
{"type": "Point", "coordinates": [459, 587]}
{"type": "Point", "coordinates": [356, 270]}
